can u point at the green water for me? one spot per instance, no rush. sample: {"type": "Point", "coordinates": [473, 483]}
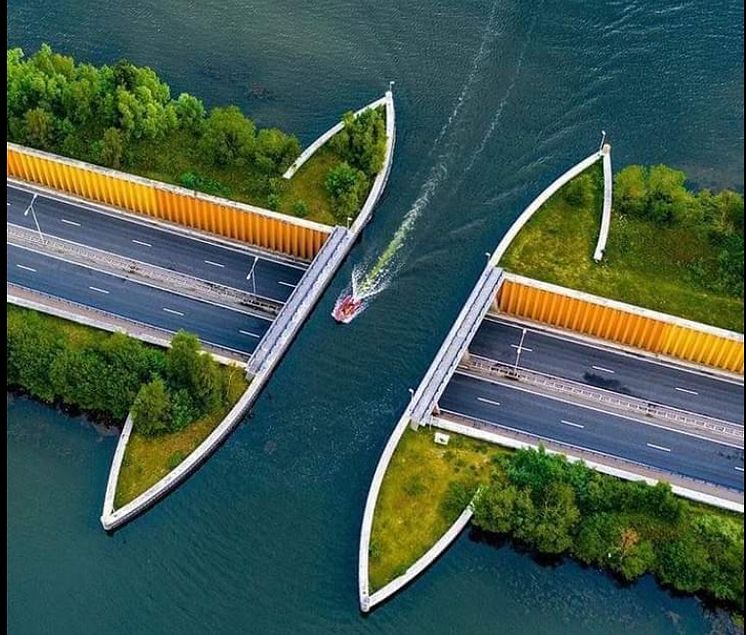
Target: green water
{"type": "Point", "coordinates": [263, 539]}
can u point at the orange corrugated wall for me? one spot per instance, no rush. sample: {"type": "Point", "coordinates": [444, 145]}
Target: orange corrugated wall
{"type": "Point", "coordinates": [160, 202]}
{"type": "Point", "coordinates": [640, 331]}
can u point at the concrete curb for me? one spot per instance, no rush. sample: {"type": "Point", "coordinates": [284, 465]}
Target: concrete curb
{"type": "Point", "coordinates": [367, 601]}
{"type": "Point", "coordinates": [310, 150]}
{"type": "Point", "coordinates": [628, 475]}
{"type": "Point", "coordinates": [425, 561]}
{"type": "Point", "coordinates": [536, 204]}
{"type": "Point", "coordinates": [603, 234]}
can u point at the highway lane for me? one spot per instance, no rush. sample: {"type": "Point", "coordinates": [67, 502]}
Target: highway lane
{"type": "Point", "coordinates": [616, 371]}
{"type": "Point", "coordinates": [595, 430]}
{"type": "Point", "coordinates": [149, 243]}
{"type": "Point", "coordinates": [214, 324]}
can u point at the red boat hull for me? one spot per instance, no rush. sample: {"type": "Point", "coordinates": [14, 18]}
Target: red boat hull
{"type": "Point", "coordinates": [346, 309]}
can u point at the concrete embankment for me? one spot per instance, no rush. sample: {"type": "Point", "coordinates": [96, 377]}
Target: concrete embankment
{"type": "Point", "coordinates": [271, 348]}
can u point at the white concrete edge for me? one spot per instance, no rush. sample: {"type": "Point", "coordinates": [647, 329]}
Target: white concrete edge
{"type": "Point", "coordinates": [112, 518]}
{"type": "Point", "coordinates": [425, 560]}
{"type": "Point", "coordinates": [174, 189]}
{"type": "Point", "coordinates": [498, 439]}
{"type": "Point", "coordinates": [534, 206]}
{"type": "Point", "coordinates": [97, 207]}
{"type": "Point", "coordinates": [103, 325]}
{"type": "Point", "coordinates": [603, 234]}
{"type": "Point", "coordinates": [370, 506]}
{"type": "Point", "coordinates": [627, 308]}
{"type": "Point", "coordinates": [311, 149]}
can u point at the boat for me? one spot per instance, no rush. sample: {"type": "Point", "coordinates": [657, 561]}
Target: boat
{"type": "Point", "coordinates": [347, 308]}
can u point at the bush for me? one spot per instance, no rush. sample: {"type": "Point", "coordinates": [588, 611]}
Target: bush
{"type": "Point", "coordinates": [346, 186]}
{"type": "Point", "coordinates": [300, 208]}
{"type": "Point", "coordinates": [362, 140]}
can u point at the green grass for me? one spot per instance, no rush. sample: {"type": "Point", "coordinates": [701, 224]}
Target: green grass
{"type": "Point", "coordinates": [307, 185]}
{"type": "Point", "coordinates": [645, 264]}
{"type": "Point", "coordinates": [148, 459]}
{"type": "Point", "coordinates": [408, 518]}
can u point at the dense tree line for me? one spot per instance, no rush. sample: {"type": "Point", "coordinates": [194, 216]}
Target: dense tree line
{"type": "Point", "coordinates": [631, 528]}
{"type": "Point", "coordinates": [361, 144]}
{"type": "Point", "coordinates": [659, 194]}
{"type": "Point", "coordinates": [111, 375]}
{"type": "Point", "coordinates": [106, 114]}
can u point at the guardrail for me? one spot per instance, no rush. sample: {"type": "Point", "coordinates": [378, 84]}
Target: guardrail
{"type": "Point", "coordinates": [609, 398]}
{"type": "Point", "coordinates": [133, 269]}
{"type": "Point", "coordinates": [576, 452]}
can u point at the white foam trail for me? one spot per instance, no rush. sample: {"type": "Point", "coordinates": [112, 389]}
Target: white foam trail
{"type": "Point", "coordinates": [367, 280]}
{"type": "Point", "coordinates": [506, 97]}
{"type": "Point", "coordinates": [489, 34]}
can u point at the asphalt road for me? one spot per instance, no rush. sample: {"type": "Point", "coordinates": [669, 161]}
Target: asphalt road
{"type": "Point", "coordinates": [595, 430]}
{"type": "Point", "coordinates": [163, 309]}
{"type": "Point", "coordinates": [148, 243]}
{"type": "Point", "coordinates": [619, 372]}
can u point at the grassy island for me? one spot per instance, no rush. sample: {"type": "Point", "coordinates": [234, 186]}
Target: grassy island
{"type": "Point", "coordinates": [176, 397]}
{"type": "Point", "coordinates": [552, 507]}
{"type": "Point", "coordinates": [124, 117]}
{"type": "Point", "coordinates": [669, 249]}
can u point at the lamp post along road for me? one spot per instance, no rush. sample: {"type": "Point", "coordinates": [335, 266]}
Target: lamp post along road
{"type": "Point", "coordinates": [30, 208]}
{"type": "Point", "coordinates": [250, 275]}
{"type": "Point", "coordinates": [518, 352]}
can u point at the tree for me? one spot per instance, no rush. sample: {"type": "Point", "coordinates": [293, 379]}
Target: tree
{"type": "Point", "coordinates": [631, 190]}
{"type": "Point", "coordinates": [362, 140]}
{"type": "Point", "coordinates": [151, 409]}
{"type": "Point", "coordinates": [182, 358]}
{"type": "Point", "coordinates": [112, 148]}
{"type": "Point", "coordinates": [228, 138]}
{"type": "Point", "coordinates": [190, 112]}
{"type": "Point", "coordinates": [40, 128]}
{"type": "Point", "coordinates": [346, 186]}
{"type": "Point", "coordinates": [556, 516]}
{"type": "Point", "coordinates": [579, 191]}
{"type": "Point", "coordinates": [275, 150]}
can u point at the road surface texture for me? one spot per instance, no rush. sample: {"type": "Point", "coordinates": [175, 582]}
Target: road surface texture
{"type": "Point", "coordinates": [594, 429]}
{"type": "Point", "coordinates": [213, 324]}
{"type": "Point", "coordinates": [144, 241]}
{"type": "Point", "coordinates": [611, 370]}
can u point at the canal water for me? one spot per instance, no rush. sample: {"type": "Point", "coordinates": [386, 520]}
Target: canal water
{"type": "Point", "coordinates": [494, 99]}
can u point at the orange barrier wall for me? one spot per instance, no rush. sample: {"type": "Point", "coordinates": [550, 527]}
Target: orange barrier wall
{"type": "Point", "coordinates": [622, 323]}
{"type": "Point", "coordinates": [294, 237]}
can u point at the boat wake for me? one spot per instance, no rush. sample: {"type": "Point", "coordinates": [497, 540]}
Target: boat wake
{"type": "Point", "coordinates": [371, 277]}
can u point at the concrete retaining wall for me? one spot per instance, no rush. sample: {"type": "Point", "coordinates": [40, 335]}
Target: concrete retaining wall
{"type": "Point", "coordinates": [626, 324]}
{"type": "Point", "coordinates": [453, 345]}
{"type": "Point", "coordinates": [269, 352]}
{"type": "Point", "coordinates": [254, 225]}
{"type": "Point", "coordinates": [534, 206]}
{"type": "Point", "coordinates": [603, 234]}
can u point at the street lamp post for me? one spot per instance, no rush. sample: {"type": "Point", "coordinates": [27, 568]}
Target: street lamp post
{"type": "Point", "coordinates": [250, 275]}
{"type": "Point", "coordinates": [30, 208]}
{"type": "Point", "coordinates": [603, 140]}
{"type": "Point", "coordinates": [518, 352]}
